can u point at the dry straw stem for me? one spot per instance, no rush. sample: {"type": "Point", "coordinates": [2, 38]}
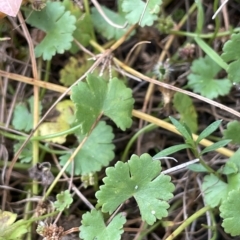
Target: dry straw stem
{"type": "Point", "coordinates": [35, 93]}
{"type": "Point", "coordinates": [16, 156]}
{"type": "Point", "coordinates": [166, 85]}
{"type": "Point", "coordinates": [50, 86]}
{"type": "Point", "coordinates": [73, 155]}
{"type": "Point", "coordinates": [172, 128]}
{"type": "Point", "coordinates": [35, 108]}
{"type": "Point", "coordinates": [151, 86]}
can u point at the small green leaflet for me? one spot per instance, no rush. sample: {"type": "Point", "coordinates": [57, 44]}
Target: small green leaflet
{"type": "Point", "coordinates": [95, 153]}
{"type": "Point", "coordinates": [233, 180]}
{"type": "Point", "coordinates": [184, 105]}
{"type": "Point", "coordinates": [84, 26]}
{"type": "Point", "coordinates": [64, 200]}
{"type": "Point", "coordinates": [58, 25]}
{"type": "Point", "coordinates": [97, 96]}
{"type": "Point", "coordinates": [135, 8]}
{"type": "Point", "coordinates": [23, 115]}
{"type": "Point", "coordinates": [22, 118]}
{"type": "Point", "coordinates": [231, 50]}
{"type": "Point", "coordinates": [231, 53]}
{"type": "Point", "coordinates": [9, 229]}
{"type": "Point", "coordinates": [202, 81]}
{"type": "Point", "coordinates": [232, 132]}
{"type": "Point", "coordinates": [214, 190]}
{"type": "Point", "coordinates": [73, 69]}
{"type": "Point", "coordinates": [6, 219]}
{"type": "Point", "coordinates": [94, 227]}
{"type": "Point", "coordinates": [27, 152]}
{"type": "Point", "coordinates": [17, 230]}
{"type": "Point", "coordinates": [230, 212]}
{"type": "Point", "coordinates": [138, 178]}
{"type": "Point", "coordinates": [230, 168]}
{"type": "Point", "coordinates": [233, 163]}
{"type": "Point", "coordinates": [197, 167]}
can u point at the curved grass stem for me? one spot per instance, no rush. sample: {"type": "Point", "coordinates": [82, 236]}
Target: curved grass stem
{"type": "Point", "coordinates": [187, 222]}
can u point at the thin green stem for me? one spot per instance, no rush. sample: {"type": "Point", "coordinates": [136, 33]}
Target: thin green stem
{"type": "Point", "coordinates": [46, 78]}
{"type": "Point", "coordinates": [145, 129]}
{"type": "Point", "coordinates": [149, 230]}
{"type": "Point", "coordinates": [24, 166]}
{"type": "Point", "coordinates": [186, 16]}
{"type": "Point", "coordinates": [71, 159]}
{"type": "Point", "coordinates": [187, 222]}
{"type": "Point", "coordinates": [40, 138]}
{"type": "Point", "coordinates": [209, 169]}
{"type": "Point", "coordinates": [205, 35]}
{"type": "Point", "coordinates": [50, 150]}
{"type": "Point", "coordinates": [203, 163]}
{"type": "Point", "coordinates": [86, 6]}
{"type": "Point", "coordinates": [27, 209]}
{"type": "Point", "coordinates": [200, 17]}
{"type": "Point", "coordinates": [217, 21]}
{"type": "Point", "coordinates": [87, 11]}
{"type": "Point", "coordinates": [214, 226]}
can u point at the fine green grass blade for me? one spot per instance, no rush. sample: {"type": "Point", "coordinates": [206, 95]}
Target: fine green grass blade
{"type": "Point", "coordinates": [210, 129]}
{"type": "Point", "coordinates": [211, 53]}
{"type": "Point", "coordinates": [182, 129]}
{"type": "Point", "coordinates": [170, 150]}
{"type": "Point", "coordinates": [216, 145]}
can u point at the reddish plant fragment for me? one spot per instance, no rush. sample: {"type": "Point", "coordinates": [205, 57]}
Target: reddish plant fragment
{"type": "Point", "coordinates": [10, 7]}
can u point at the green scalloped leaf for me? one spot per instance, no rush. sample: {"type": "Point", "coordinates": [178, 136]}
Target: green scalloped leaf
{"type": "Point", "coordinates": [23, 115]}
{"type": "Point", "coordinates": [58, 25]}
{"type": "Point", "coordinates": [232, 132]}
{"type": "Point", "coordinates": [229, 168]}
{"type": "Point", "coordinates": [233, 164]}
{"type": "Point", "coordinates": [64, 200]}
{"type": "Point", "coordinates": [230, 212]}
{"type": "Point", "coordinates": [134, 9]}
{"type": "Point", "coordinates": [138, 178]}
{"type": "Point", "coordinates": [94, 227]}
{"type": "Point", "coordinates": [97, 96]}
{"type": "Point", "coordinates": [231, 53]}
{"type": "Point", "coordinates": [215, 190]}
{"type": "Point", "coordinates": [73, 70]}
{"type": "Point", "coordinates": [26, 154]}
{"type": "Point", "coordinates": [202, 79]}
{"type": "Point", "coordinates": [84, 25]}
{"type": "Point", "coordinates": [96, 152]}
{"type": "Point", "coordinates": [59, 123]}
